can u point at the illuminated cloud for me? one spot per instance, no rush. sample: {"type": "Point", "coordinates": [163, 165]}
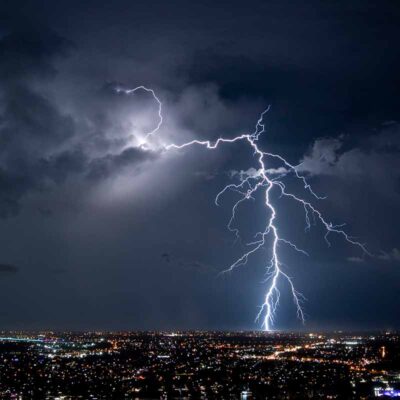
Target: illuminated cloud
{"type": "Point", "coordinates": [393, 255]}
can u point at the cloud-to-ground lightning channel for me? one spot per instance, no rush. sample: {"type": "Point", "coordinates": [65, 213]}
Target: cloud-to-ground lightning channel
{"type": "Point", "coordinates": [265, 181]}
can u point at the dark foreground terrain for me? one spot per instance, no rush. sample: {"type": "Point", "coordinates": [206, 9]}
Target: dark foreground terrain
{"type": "Point", "coordinates": [198, 365]}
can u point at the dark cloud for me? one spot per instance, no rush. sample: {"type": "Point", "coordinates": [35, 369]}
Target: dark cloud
{"type": "Point", "coordinates": [8, 269]}
{"type": "Point", "coordinates": [101, 168]}
{"type": "Point", "coordinates": [42, 145]}
{"type": "Point", "coordinates": [20, 177]}
{"type": "Point", "coordinates": [29, 54]}
{"type": "Point", "coordinates": [374, 159]}
{"type": "Point", "coordinates": [11, 189]}
{"type": "Point", "coordinates": [31, 125]}
{"type": "Point", "coordinates": [58, 167]}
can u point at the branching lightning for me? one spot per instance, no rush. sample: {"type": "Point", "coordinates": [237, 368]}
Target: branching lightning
{"type": "Point", "coordinates": [264, 181]}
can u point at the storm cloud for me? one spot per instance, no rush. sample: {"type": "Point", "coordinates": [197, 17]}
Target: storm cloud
{"type": "Point", "coordinates": [42, 145]}
{"type": "Point", "coordinates": [372, 159]}
{"type": "Point", "coordinates": [6, 269]}
{"type": "Point", "coordinates": [77, 192]}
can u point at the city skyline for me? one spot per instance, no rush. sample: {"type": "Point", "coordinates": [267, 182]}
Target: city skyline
{"type": "Point", "coordinates": [204, 365]}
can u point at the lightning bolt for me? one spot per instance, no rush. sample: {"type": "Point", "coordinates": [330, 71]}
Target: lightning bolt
{"type": "Point", "coordinates": [119, 89]}
{"type": "Point", "coordinates": [264, 181]}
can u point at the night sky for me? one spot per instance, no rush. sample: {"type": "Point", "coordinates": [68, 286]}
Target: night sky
{"type": "Point", "coordinates": [99, 233]}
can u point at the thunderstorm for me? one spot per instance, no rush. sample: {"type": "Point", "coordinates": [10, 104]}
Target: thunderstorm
{"type": "Point", "coordinates": [262, 181]}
